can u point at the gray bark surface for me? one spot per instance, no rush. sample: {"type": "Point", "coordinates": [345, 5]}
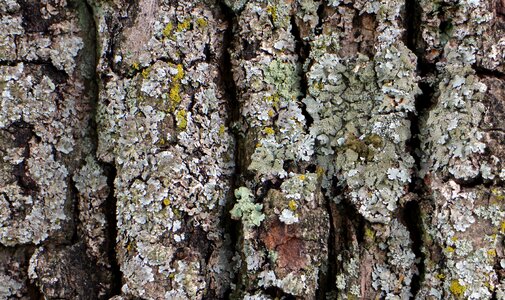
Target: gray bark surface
{"type": "Point", "coordinates": [275, 149]}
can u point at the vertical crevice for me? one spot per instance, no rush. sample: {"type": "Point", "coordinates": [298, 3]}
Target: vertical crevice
{"type": "Point", "coordinates": [327, 278]}
{"type": "Point", "coordinates": [112, 232]}
{"type": "Point", "coordinates": [231, 227]}
{"type": "Point", "coordinates": [302, 49]}
{"type": "Point", "coordinates": [110, 204]}
{"type": "Point", "coordinates": [411, 212]}
{"type": "Point", "coordinates": [33, 290]}
{"type": "Point", "coordinates": [413, 222]}
{"type": "Point", "coordinates": [412, 21]}
{"type": "Point", "coordinates": [320, 16]}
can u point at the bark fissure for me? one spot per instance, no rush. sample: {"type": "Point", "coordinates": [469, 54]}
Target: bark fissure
{"type": "Point", "coordinates": [423, 102]}
{"type": "Point", "coordinates": [112, 232]}
{"type": "Point", "coordinates": [413, 222]}
{"type": "Point", "coordinates": [320, 15]}
{"type": "Point", "coordinates": [302, 49]}
{"type": "Point", "coordinates": [326, 278]}
{"type": "Point", "coordinates": [230, 226]}
{"type": "Point", "coordinates": [483, 72]}
{"type": "Point", "coordinates": [109, 169]}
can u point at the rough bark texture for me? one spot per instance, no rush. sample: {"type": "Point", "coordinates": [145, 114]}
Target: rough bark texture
{"type": "Point", "coordinates": [268, 149]}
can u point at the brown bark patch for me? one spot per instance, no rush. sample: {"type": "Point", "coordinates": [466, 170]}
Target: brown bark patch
{"type": "Point", "coordinates": [290, 249]}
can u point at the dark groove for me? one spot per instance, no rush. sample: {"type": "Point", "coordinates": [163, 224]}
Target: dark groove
{"type": "Point", "coordinates": [302, 49]}
{"type": "Point", "coordinates": [23, 132]}
{"type": "Point", "coordinates": [320, 16]}
{"type": "Point", "coordinates": [411, 212]}
{"type": "Point", "coordinates": [413, 222]}
{"type": "Point", "coordinates": [277, 293]}
{"type": "Point", "coordinates": [110, 204]}
{"type": "Point", "coordinates": [412, 22]}
{"type": "Point", "coordinates": [33, 291]}
{"type": "Point", "coordinates": [112, 232]}
{"type": "Point", "coordinates": [231, 227]}
{"type": "Point", "coordinates": [483, 72]}
{"type": "Point", "coordinates": [326, 281]}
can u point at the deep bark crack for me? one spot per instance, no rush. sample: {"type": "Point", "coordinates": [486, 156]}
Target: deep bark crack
{"type": "Point", "coordinates": [231, 227]}
{"type": "Point", "coordinates": [109, 169]}
{"type": "Point", "coordinates": [411, 212]}
{"type": "Point", "coordinates": [302, 49]}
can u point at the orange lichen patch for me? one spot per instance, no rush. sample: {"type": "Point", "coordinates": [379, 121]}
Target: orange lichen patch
{"type": "Point", "coordinates": [290, 249]}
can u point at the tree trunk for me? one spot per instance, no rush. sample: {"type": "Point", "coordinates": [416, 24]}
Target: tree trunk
{"type": "Point", "coordinates": [234, 149]}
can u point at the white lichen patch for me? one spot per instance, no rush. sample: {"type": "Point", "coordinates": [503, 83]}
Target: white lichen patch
{"type": "Point", "coordinates": [288, 217]}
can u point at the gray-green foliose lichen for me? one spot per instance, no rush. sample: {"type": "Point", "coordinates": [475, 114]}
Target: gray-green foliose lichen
{"type": "Point", "coordinates": [245, 208]}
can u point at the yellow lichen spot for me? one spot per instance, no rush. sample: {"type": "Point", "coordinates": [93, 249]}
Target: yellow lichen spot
{"type": "Point", "coordinates": [454, 239]}
{"type": "Point", "coordinates": [222, 129]}
{"type": "Point", "coordinates": [176, 212]}
{"type": "Point", "coordinates": [129, 247]}
{"type": "Point", "coordinates": [269, 130]}
{"type": "Point", "coordinates": [440, 276]}
{"type": "Point", "coordinates": [135, 66]}
{"type": "Point", "coordinates": [201, 22]}
{"type": "Point", "coordinates": [171, 276]}
{"type": "Point", "coordinates": [271, 113]}
{"type": "Point", "coordinates": [185, 25]}
{"type": "Point", "coordinates": [457, 289]}
{"type": "Point", "coordinates": [499, 195]}
{"type": "Point", "coordinates": [302, 177]}
{"type": "Point", "coordinates": [351, 296]}
{"type": "Point", "coordinates": [292, 205]}
{"type": "Point", "coordinates": [319, 171]}
{"type": "Point", "coordinates": [145, 73]}
{"type": "Point", "coordinates": [167, 31]}
{"type": "Point", "coordinates": [318, 86]}
{"type": "Point", "coordinates": [259, 145]}
{"type": "Point", "coordinates": [181, 118]}
{"type": "Point", "coordinates": [174, 95]}
{"type": "Point", "coordinates": [166, 202]}
{"type": "Point", "coordinates": [274, 99]}
{"type": "Point", "coordinates": [180, 73]}
{"type": "Point", "coordinates": [449, 249]}
{"type": "Point", "coordinates": [162, 142]}
{"type": "Point", "coordinates": [369, 233]}
{"type": "Point", "coordinates": [491, 253]}
{"type": "Point", "coordinates": [502, 227]}
{"type": "Point", "coordinates": [272, 11]}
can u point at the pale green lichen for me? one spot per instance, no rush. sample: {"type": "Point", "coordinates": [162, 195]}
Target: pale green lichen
{"type": "Point", "coordinates": [245, 209]}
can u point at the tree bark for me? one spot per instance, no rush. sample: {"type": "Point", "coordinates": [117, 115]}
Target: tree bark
{"type": "Point", "coordinates": [235, 149]}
